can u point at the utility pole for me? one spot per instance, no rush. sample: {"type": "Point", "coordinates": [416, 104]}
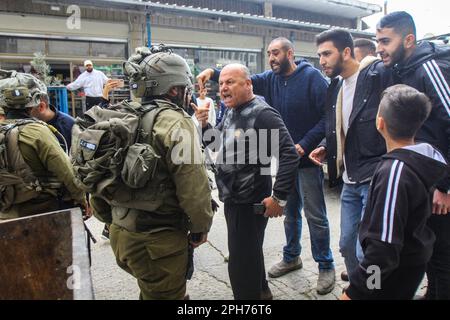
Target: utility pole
{"type": "Point", "coordinates": [385, 7]}
{"type": "Point", "coordinates": [149, 30]}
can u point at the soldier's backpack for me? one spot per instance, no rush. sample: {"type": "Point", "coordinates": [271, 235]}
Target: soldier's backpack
{"type": "Point", "coordinates": [18, 184]}
{"type": "Point", "coordinates": [107, 154]}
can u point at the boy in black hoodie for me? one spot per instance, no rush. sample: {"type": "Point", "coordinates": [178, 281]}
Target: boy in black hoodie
{"type": "Point", "coordinates": [395, 238]}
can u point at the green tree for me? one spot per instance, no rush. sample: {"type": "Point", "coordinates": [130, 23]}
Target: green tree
{"type": "Point", "coordinates": [42, 68]}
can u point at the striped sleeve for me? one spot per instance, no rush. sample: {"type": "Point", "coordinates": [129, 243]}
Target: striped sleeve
{"type": "Point", "coordinates": [437, 78]}
{"type": "Point", "coordinates": [391, 201]}
{"type": "Point", "coordinates": [439, 85]}
{"type": "Point", "coordinates": [389, 204]}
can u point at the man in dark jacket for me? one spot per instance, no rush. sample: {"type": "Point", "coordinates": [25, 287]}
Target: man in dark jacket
{"type": "Point", "coordinates": [426, 67]}
{"type": "Point", "coordinates": [297, 91]}
{"type": "Point", "coordinates": [61, 121]}
{"type": "Point", "coordinates": [394, 235]}
{"type": "Point", "coordinates": [353, 145]}
{"type": "Point", "coordinates": [244, 177]}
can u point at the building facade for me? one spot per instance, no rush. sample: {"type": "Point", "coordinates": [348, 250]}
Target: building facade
{"type": "Point", "coordinates": [206, 32]}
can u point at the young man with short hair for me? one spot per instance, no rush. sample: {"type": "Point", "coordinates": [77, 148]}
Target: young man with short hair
{"type": "Point", "coordinates": [425, 67]}
{"type": "Point", "coordinates": [61, 121]}
{"type": "Point", "coordinates": [353, 146]}
{"type": "Point", "coordinates": [364, 48]}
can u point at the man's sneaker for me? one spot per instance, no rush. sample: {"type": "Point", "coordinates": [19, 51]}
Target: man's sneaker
{"type": "Point", "coordinates": [283, 267]}
{"type": "Point", "coordinates": [325, 283]}
{"type": "Point", "coordinates": [105, 233]}
{"type": "Point", "coordinates": [344, 276]}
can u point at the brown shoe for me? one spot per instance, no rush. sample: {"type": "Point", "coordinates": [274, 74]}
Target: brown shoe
{"type": "Point", "coordinates": [344, 276]}
{"type": "Point", "coordinates": [282, 267]}
{"type": "Point", "coordinates": [326, 281]}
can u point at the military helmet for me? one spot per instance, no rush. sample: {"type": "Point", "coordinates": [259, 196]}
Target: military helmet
{"type": "Point", "coordinates": [154, 71]}
{"type": "Point", "coordinates": [20, 90]}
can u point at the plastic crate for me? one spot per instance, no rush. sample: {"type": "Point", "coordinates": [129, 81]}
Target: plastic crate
{"type": "Point", "coordinates": [58, 98]}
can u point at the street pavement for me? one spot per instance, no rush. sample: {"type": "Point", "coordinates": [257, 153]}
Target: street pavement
{"type": "Point", "coordinates": [210, 280]}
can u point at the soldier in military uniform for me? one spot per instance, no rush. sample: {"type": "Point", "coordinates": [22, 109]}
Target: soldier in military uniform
{"type": "Point", "coordinates": [36, 176]}
{"type": "Point", "coordinates": [152, 244]}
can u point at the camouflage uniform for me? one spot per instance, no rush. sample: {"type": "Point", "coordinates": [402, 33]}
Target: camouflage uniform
{"type": "Point", "coordinates": [42, 154]}
{"type": "Point", "coordinates": [152, 244]}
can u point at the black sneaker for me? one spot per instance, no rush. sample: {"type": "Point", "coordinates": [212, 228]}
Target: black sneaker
{"type": "Point", "coordinates": [105, 233]}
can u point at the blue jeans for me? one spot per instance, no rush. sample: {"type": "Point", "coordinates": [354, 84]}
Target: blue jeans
{"type": "Point", "coordinates": [353, 204]}
{"type": "Point", "coordinates": [308, 194]}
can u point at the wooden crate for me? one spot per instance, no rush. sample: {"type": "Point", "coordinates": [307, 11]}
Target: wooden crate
{"type": "Point", "coordinates": [45, 257]}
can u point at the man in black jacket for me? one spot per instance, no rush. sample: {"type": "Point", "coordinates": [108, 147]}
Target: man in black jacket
{"type": "Point", "coordinates": [425, 67]}
{"type": "Point", "coordinates": [394, 235]}
{"type": "Point", "coordinates": [60, 120]}
{"type": "Point", "coordinates": [244, 178]}
{"type": "Point", "coordinates": [353, 145]}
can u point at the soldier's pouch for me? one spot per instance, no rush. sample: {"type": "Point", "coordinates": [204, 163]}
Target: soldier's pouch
{"type": "Point", "coordinates": [101, 209]}
{"type": "Point", "coordinates": [139, 165]}
{"type": "Point", "coordinates": [13, 190]}
{"type": "Point", "coordinates": [166, 244]}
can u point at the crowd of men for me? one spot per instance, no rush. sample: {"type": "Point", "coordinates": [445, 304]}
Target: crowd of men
{"type": "Point", "coordinates": [382, 126]}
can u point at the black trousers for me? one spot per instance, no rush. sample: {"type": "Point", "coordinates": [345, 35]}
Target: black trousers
{"type": "Point", "coordinates": [402, 284]}
{"type": "Point", "coordinates": [438, 269]}
{"type": "Point", "coordinates": [92, 101]}
{"type": "Point", "coordinates": [245, 245]}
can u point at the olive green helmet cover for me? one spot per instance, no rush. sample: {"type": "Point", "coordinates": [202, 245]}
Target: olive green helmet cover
{"type": "Point", "coordinates": [154, 71]}
{"type": "Point", "coordinates": [20, 90]}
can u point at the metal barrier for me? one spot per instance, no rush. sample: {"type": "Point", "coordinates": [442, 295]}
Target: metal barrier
{"type": "Point", "coordinates": [45, 257]}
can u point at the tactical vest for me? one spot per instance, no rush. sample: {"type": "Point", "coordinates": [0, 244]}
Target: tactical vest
{"type": "Point", "coordinates": [18, 183]}
{"type": "Point", "coordinates": [152, 194]}
{"type": "Point", "coordinates": [130, 175]}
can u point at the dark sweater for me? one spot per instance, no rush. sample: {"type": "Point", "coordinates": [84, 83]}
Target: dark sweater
{"type": "Point", "coordinates": [300, 100]}
{"type": "Point", "coordinates": [63, 123]}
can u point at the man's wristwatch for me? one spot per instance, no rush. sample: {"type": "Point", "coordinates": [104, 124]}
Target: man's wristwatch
{"type": "Point", "coordinates": [281, 203]}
